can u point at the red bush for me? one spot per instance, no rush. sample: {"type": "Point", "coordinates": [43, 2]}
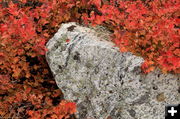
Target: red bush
{"type": "Point", "coordinates": [27, 84]}
{"type": "Point", "coordinates": [147, 28]}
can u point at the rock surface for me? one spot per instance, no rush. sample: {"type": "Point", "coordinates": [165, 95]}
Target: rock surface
{"type": "Point", "coordinates": [104, 82]}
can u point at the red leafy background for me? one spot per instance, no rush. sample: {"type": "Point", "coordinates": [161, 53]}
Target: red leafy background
{"type": "Point", "coordinates": [147, 28]}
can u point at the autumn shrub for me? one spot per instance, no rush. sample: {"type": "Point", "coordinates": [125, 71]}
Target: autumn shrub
{"type": "Point", "coordinates": [147, 28]}
{"type": "Point", "coordinates": [27, 86]}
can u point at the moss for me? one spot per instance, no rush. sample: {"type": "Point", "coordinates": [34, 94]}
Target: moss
{"type": "Point", "coordinates": [62, 39]}
{"type": "Point", "coordinates": [89, 65]}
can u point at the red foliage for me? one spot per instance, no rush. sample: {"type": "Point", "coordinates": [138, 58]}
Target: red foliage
{"type": "Point", "coordinates": [26, 81]}
{"type": "Point", "coordinates": [57, 112]}
{"type": "Point", "coordinates": [147, 28]}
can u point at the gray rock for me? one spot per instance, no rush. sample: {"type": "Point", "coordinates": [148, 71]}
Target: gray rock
{"type": "Point", "coordinates": [105, 82]}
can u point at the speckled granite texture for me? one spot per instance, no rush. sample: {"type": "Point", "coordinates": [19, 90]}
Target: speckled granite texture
{"type": "Point", "coordinates": [105, 82]}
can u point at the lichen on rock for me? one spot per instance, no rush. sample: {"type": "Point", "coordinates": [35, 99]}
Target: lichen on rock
{"type": "Point", "coordinates": [105, 82]}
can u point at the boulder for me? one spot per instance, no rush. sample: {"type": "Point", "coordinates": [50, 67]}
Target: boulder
{"type": "Point", "coordinates": [104, 82]}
